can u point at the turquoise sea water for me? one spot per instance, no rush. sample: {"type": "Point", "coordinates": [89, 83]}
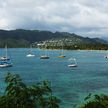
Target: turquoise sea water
{"type": "Point", "coordinates": [71, 85]}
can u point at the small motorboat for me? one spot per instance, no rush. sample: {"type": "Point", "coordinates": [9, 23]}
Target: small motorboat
{"type": "Point", "coordinates": [74, 64]}
{"type": "Point", "coordinates": [60, 56]}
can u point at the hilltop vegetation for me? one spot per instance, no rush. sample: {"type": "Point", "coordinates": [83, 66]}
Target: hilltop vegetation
{"type": "Point", "coordinates": [23, 38]}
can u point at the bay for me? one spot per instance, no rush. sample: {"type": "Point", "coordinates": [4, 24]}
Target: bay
{"type": "Point", "coordinates": [71, 85]}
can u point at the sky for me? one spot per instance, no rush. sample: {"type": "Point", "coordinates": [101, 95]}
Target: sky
{"type": "Point", "coordinates": [83, 17]}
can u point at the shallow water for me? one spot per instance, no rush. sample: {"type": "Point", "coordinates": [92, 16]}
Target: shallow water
{"type": "Point", "coordinates": [69, 84]}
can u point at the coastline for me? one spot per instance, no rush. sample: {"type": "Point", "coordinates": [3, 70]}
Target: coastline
{"type": "Point", "coordinates": [59, 49]}
{"type": "Point", "coordinates": [78, 50]}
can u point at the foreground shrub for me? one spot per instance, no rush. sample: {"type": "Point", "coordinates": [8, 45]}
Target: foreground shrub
{"type": "Point", "coordinates": [18, 95]}
{"type": "Point", "coordinates": [95, 101]}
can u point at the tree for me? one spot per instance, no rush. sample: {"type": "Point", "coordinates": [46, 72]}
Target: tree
{"type": "Point", "coordinates": [18, 95]}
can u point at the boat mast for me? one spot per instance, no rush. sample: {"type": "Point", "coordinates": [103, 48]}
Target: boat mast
{"type": "Point", "coordinates": [62, 48]}
{"type": "Point", "coordinates": [75, 61]}
{"type": "Point", "coordinates": [45, 50]}
{"type": "Point", "coordinates": [30, 48]}
{"type": "Point", "coordinates": [6, 50]}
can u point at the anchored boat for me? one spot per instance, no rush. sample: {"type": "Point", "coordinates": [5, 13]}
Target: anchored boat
{"type": "Point", "coordinates": [62, 53]}
{"type": "Point", "coordinates": [5, 64]}
{"type": "Point", "coordinates": [5, 57]}
{"type": "Point", "coordinates": [5, 61]}
{"type": "Point", "coordinates": [31, 53]}
{"type": "Point", "coordinates": [46, 54]}
{"type": "Point", "coordinates": [74, 63]}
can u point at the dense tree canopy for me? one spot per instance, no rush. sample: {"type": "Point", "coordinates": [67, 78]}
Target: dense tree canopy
{"type": "Point", "coordinates": [82, 47]}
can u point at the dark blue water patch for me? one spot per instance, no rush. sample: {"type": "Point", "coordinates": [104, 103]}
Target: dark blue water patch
{"type": "Point", "coordinates": [71, 97]}
{"type": "Point", "coordinates": [102, 74]}
{"type": "Point", "coordinates": [88, 85]}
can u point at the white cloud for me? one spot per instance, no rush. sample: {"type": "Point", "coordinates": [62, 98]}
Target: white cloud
{"type": "Point", "coordinates": [79, 16]}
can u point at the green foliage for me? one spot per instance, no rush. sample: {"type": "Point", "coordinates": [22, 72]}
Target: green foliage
{"type": "Point", "coordinates": [88, 97]}
{"type": "Point", "coordinates": [18, 95]}
{"type": "Point", "coordinates": [95, 101]}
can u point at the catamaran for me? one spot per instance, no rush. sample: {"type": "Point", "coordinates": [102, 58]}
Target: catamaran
{"type": "Point", "coordinates": [62, 53]}
{"type": "Point", "coordinates": [30, 54]}
{"type": "Point", "coordinates": [73, 64]}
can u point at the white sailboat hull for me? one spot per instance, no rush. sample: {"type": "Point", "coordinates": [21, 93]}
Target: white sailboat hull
{"type": "Point", "coordinates": [4, 58]}
{"type": "Point", "coordinates": [30, 55]}
{"type": "Point", "coordinates": [72, 65]}
{"type": "Point", "coordinates": [5, 65]}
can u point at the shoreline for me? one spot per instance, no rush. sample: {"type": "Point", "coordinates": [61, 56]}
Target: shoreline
{"type": "Point", "coordinates": [77, 50]}
{"type": "Point", "coordinates": [59, 49]}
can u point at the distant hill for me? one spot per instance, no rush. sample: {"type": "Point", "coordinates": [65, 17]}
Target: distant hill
{"type": "Point", "coordinates": [104, 38]}
{"type": "Point", "coordinates": [22, 38]}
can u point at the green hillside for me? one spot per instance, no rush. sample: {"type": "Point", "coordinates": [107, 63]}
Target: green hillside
{"type": "Point", "coordinates": [23, 38]}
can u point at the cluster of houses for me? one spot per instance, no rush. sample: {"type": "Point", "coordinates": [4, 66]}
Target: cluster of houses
{"type": "Point", "coordinates": [57, 42]}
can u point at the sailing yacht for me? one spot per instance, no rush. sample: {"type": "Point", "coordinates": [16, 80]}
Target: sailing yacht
{"type": "Point", "coordinates": [73, 64]}
{"type": "Point", "coordinates": [30, 54]}
{"type": "Point", "coordinates": [5, 57]}
{"type": "Point", "coordinates": [5, 61]}
{"type": "Point", "coordinates": [62, 53]}
{"type": "Point", "coordinates": [46, 55]}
